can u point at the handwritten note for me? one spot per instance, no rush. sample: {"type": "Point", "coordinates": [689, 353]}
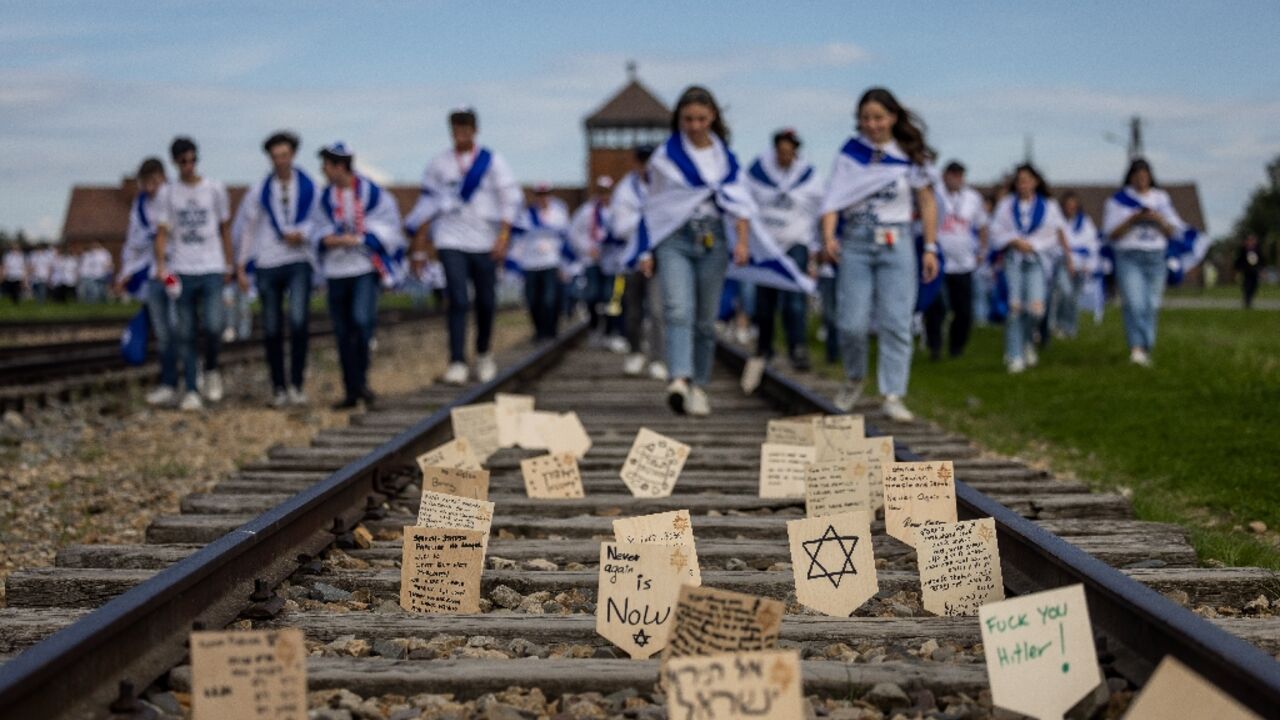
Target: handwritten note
{"type": "Point", "coordinates": [1176, 691]}
{"type": "Point", "coordinates": [440, 570]}
{"type": "Point", "coordinates": [959, 566]}
{"type": "Point", "coordinates": [653, 465]}
{"type": "Point", "coordinates": [529, 429]}
{"type": "Point", "coordinates": [833, 435]}
{"type": "Point", "coordinates": [508, 409]}
{"type": "Point", "coordinates": [456, 453]}
{"type": "Point", "coordinates": [709, 621]}
{"type": "Point", "coordinates": [735, 686]}
{"type": "Point", "coordinates": [918, 494]}
{"type": "Point", "coordinates": [249, 675]}
{"type": "Point", "coordinates": [783, 469]}
{"type": "Point", "coordinates": [791, 430]}
{"type": "Point", "coordinates": [832, 562]}
{"type": "Point", "coordinates": [552, 476]}
{"type": "Point", "coordinates": [456, 481]}
{"type": "Point", "coordinates": [639, 584]}
{"type": "Point", "coordinates": [1039, 651]}
{"type": "Point", "coordinates": [836, 487]}
{"type": "Point", "coordinates": [438, 510]}
{"type": "Point", "coordinates": [479, 425]}
{"type": "Point", "coordinates": [564, 433]}
{"type": "Point", "coordinates": [665, 528]}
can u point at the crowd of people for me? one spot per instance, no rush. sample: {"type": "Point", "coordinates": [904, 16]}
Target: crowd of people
{"type": "Point", "coordinates": [886, 246]}
{"type": "Point", "coordinates": [46, 272]}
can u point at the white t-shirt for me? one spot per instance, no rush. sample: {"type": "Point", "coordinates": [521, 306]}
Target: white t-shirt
{"type": "Point", "coordinates": [1044, 239]}
{"type": "Point", "coordinates": [95, 264]}
{"type": "Point", "coordinates": [41, 265]}
{"type": "Point", "coordinates": [193, 214]}
{"type": "Point", "coordinates": [1144, 235]}
{"type": "Point", "coordinates": [473, 226]}
{"type": "Point", "coordinates": [66, 271]}
{"type": "Point", "coordinates": [960, 215]}
{"type": "Point", "coordinates": [538, 247]}
{"type": "Point", "coordinates": [257, 238]}
{"type": "Point", "coordinates": [894, 204]}
{"type": "Point", "coordinates": [712, 166]}
{"type": "Point", "coordinates": [15, 265]}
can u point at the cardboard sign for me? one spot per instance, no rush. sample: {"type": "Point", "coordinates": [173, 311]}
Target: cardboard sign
{"type": "Point", "coordinates": [735, 686]}
{"type": "Point", "coordinates": [1039, 651]}
{"type": "Point", "coordinates": [782, 470]}
{"type": "Point", "coordinates": [653, 465]}
{"type": "Point", "coordinates": [438, 510]}
{"type": "Point", "coordinates": [456, 453]}
{"type": "Point", "coordinates": [752, 374]}
{"type": "Point", "coordinates": [508, 408]}
{"type": "Point", "coordinates": [959, 566]}
{"type": "Point", "coordinates": [709, 621]}
{"type": "Point", "coordinates": [665, 528]}
{"type": "Point", "coordinates": [831, 488]}
{"type": "Point", "coordinates": [1176, 691]}
{"type": "Point", "coordinates": [918, 494]}
{"type": "Point", "coordinates": [529, 427]}
{"type": "Point", "coordinates": [832, 562]}
{"type": "Point", "coordinates": [479, 425]}
{"type": "Point", "coordinates": [249, 675]}
{"type": "Point", "coordinates": [552, 476]}
{"type": "Point", "coordinates": [638, 588]}
{"type": "Point", "coordinates": [440, 570]}
{"type": "Point", "coordinates": [791, 431]}
{"type": "Point", "coordinates": [463, 482]}
{"type": "Point", "coordinates": [833, 435]}
{"type": "Point", "coordinates": [565, 434]}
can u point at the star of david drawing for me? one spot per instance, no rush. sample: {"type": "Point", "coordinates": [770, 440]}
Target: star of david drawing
{"type": "Point", "coordinates": [845, 545]}
{"type": "Point", "coordinates": [678, 559]}
{"type": "Point", "coordinates": [985, 533]}
{"type": "Point", "coordinates": [781, 675]}
{"type": "Point", "coordinates": [944, 473]}
{"type": "Point", "coordinates": [680, 523]}
{"type": "Point", "coordinates": [641, 638]}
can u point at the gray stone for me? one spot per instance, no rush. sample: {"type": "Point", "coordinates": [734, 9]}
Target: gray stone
{"type": "Point", "coordinates": [943, 654]}
{"type": "Point", "coordinates": [736, 564]}
{"type": "Point", "coordinates": [604, 653]}
{"type": "Point", "coordinates": [396, 650]}
{"type": "Point", "coordinates": [900, 610]}
{"type": "Point", "coordinates": [329, 714]}
{"type": "Point", "coordinates": [14, 419]}
{"type": "Point", "coordinates": [167, 702]}
{"type": "Point", "coordinates": [502, 711]}
{"type": "Point", "coordinates": [541, 565]}
{"type": "Point", "coordinates": [887, 697]}
{"type": "Point", "coordinates": [504, 596]}
{"type": "Point", "coordinates": [329, 593]}
{"type": "Point", "coordinates": [1141, 564]}
{"type": "Point", "coordinates": [405, 714]}
{"type": "Point", "coordinates": [500, 563]}
{"type": "Point", "coordinates": [618, 699]}
{"type": "Point", "coordinates": [180, 679]}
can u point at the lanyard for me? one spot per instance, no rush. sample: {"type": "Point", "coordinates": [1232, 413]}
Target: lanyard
{"type": "Point", "coordinates": [339, 209]}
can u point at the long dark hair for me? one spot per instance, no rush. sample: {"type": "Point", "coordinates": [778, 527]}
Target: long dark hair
{"type": "Point", "coordinates": [1139, 164]}
{"type": "Point", "coordinates": [1042, 187]}
{"type": "Point", "coordinates": [909, 129]}
{"type": "Point", "coordinates": [698, 95]}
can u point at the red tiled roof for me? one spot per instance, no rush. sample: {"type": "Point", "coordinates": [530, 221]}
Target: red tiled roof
{"type": "Point", "coordinates": [633, 106]}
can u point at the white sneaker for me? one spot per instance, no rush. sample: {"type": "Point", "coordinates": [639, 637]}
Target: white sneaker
{"type": "Point", "coordinates": [279, 399]}
{"type": "Point", "coordinates": [163, 395]}
{"type": "Point", "coordinates": [742, 334]}
{"type": "Point", "coordinates": [618, 344]}
{"type": "Point", "coordinates": [678, 395]}
{"type": "Point", "coordinates": [698, 405]}
{"type": "Point", "coordinates": [297, 397]}
{"type": "Point", "coordinates": [633, 366]}
{"type": "Point", "coordinates": [456, 374]}
{"type": "Point", "coordinates": [486, 368]}
{"type": "Point", "coordinates": [1015, 366]}
{"type": "Point", "coordinates": [213, 386]}
{"type": "Point", "coordinates": [373, 345]}
{"type": "Point", "coordinates": [658, 370]}
{"type": "Point", "coordinates": [1030, 355]}
{"type": "Point", "coordinates": [191, 402]}
{"type": "Point", "coordinates": [229, 335]}
{"type": "Point", "coordinates": [849, 395]}
{"type": "Point", "coordinates": [1139, 357]}
{"type": "Point", "coordinates": [896, 411]}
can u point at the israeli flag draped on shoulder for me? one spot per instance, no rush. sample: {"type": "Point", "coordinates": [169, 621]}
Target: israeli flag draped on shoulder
{"type": "Point", "coordinates": [625, 211]}
{"type": "Point", "coordinates": [798, 184]}
{"type": "Point", "coordinates": [305, 198]}
{"type": "Point", "coordinates": [137, 255]}
{"type": "Point", "coordinates": [440, 195]}
{"type": "Point", "coordinates": [384, 241]}
{"type": "Point", "coordinates": [1183, 251]}
{"type": "Point", "coordinates": [858, 173]}
{"type": "Point", "coordinates": [682, 189]}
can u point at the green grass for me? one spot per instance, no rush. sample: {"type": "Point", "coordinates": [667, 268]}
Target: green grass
{"type": "Point", "coordinates": [30, 310]}
{"type": "Point", "coordinates": [1224, 292]}
{"type": "Point", "coordinates": [1194, 438]}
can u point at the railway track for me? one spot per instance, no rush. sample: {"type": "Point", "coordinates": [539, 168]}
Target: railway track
{"type": "Point", "coordinates": [270, 547]}
{"type": "Point", "coordinates": [37, 374]}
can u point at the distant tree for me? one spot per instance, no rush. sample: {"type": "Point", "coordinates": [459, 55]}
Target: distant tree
{"type": "Point", "coordinates": [1262, 218]}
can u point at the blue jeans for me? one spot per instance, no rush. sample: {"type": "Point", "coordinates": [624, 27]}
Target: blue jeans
{"type": "Point", "coordinates": [827, 289]}
{"type": "Point", "coordinates": [273, 283]}
{"type": "Point", "coordinates": [692, 276]}
{"type": "Point", "coordinates": [768, 300]}
{"type": "Point", "coordinates": [203, 292]}
{"type": "Point", "coordinates": [1065, 306]}
{"type": "Point", "coordinates": [542, 294]}
{"type": "Point", "coordinates": [39, 291]}
{"type": "Point", "coordinates": [461, 268]}
{"type": "Point", "coordinates": [353, 306]}
{"type": "Point", "coordinates": [164, 324]}
{"type": "Point", "coordinates": [1140, 278]}
{"type": "Point", "coordinates": [879, 278]}
{"type": "Point", "coordinates": [1028, 287]}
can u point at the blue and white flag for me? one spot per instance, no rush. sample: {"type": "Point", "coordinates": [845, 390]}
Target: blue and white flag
{"type": "Point", "coordinates": [383, 241]}
{"type": "Point", "coordinates": [1183, 251]}
{"type": "Point", "coordinates": [683, 189]}
{"type": "Point", "coordinates": [138, 253]}
{"type": "Point", "coordinates": [438, 195]}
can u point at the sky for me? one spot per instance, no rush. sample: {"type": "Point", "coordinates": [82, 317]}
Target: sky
{"type": "Point", "coordinates": [88, 89]}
